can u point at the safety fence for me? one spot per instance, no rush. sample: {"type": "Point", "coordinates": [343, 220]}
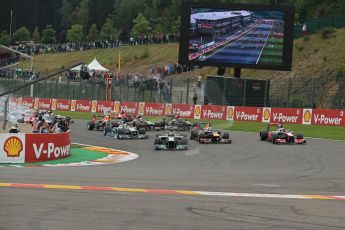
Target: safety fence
{"type": "Point", "coordinates": [305, 116]}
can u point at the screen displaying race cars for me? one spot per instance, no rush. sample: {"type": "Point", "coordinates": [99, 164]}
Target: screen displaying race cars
{"type": "Point", "coordinates": [239, 37]}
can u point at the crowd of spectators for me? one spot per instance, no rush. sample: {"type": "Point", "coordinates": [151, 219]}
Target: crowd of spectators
{"type": "Point", "coordinates": [32, 48]}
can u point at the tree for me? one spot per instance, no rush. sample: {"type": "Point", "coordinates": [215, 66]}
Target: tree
{"type": "Point", "coordinates": [81, 14]}
{"type": "Point", "coordinates": [48, 35]}
{"type": "Point", "coordinates": [141, 25]}
{"type": "Point", "coordinates": [5, 38]}
{"type": "Point", "coordinates": [36, 35]}
{"type": "Point", "coordinates": [176, 25]}
{"type": "Point", "coordinates": [22, 34]}
{"type": "Point", "coordinates": [108, 32]}
{"type": "Point", "coordinates": [93, 33]}
{"type": "Point", "coordinates": [75, 34]}
{"type": "Point", "coordinates": [65, 12]}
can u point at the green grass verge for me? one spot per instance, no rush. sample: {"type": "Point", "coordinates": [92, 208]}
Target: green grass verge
{"type": "Point", "coordinates": [317, 131]}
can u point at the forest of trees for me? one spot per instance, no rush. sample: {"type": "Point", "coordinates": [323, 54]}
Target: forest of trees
{"type": "Point", "coordinates": [90, 20]}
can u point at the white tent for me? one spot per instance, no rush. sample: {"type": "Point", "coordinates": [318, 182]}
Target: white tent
{"type": "Point", "coordinates": [76, 69]}
{"type": "Point", "coordinates": [94, 65]}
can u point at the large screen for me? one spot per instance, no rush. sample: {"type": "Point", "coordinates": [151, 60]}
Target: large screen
{"type": "Point", "coordinates": [236, 35]}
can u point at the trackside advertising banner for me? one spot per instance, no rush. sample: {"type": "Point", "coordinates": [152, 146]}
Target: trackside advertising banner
{"type": "Point", "coordinates": [213, 112]}
{"type": "Point", "coordinates": [183, 110]}
{"type": "Point", "coordinates": [12, 148]}
{"type": "Point", "coordinates": [303, 116]}
{"type": "Point", "coordinates": [248, 114]}
{"type": "Point", "coordinates": [286, 115]}
{"type": "Point", "coordinates": [328, 117]}
{"type": "Point", "coordinates": [154, 109]}
{"type": "Point", "coordinates": [45, 147]}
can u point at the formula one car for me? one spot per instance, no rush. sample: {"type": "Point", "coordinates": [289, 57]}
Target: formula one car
{"type": "Point", "coordinates": [142, 123]}
{"type": "Point", "coordinates": [125, 131]}
{"type": "Point", "coordinates": [281, 136]}
{"type": "Point", "coordinates": [98, 125]}
{"type": "Point", "coordinates": [170, 142]}
{"type": "Point", "coordinates": [208, 135]}
{"type": "Point", "coordinates": [172, 123]}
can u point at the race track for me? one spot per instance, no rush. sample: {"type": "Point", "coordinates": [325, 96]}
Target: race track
{"type": "Point", "coordinates": [248, 169]}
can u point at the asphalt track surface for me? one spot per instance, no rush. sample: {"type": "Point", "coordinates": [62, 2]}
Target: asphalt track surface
{"type": "Point", "coordinates": [246, 166]}
{"type": "Point", "coordinates": [247, 54]}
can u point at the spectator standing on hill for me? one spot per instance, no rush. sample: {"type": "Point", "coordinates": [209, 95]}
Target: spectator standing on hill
{"type": "Point", "coordinates": [304, 30]}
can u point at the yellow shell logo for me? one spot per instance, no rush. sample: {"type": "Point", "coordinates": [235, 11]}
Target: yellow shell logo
{"type": "Point", "coordinates": [307, 116]}
{"type": "Point", "coordinates": [197, 111]}
{"type": "Point", "coordinates": [230, 112]}
{"type": "Point", "coordinates": [117, 106]}
{"type": "Point", "coordinates": [267, 114]}
{"type": "Point", "coordinates": [54, 104]}
{"type": "Point", "coordinates": [94, 105]}
{"type": "Point", "coordinates": [73, 104]}
{"type": "Point", "coordinates": [36, 103]}
{"type": "Point", "coordinates": [13, 146]}
{"type": "Point", "coordinates": [141, 108]}
{"type": "Point", "coordinates": [168, 109]}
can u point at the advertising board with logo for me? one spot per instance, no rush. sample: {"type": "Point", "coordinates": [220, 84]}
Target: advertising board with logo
{"type": "Point", "coordinates": [104, 106]}
{"type": "Point", "coordinates": [44, 104]}
{"type": "Point", "coordinates": [45, 147]}
{"type": "Point", "coordinates": [141, 109]}
{"type": "Point", "coordinates": [331, 117]}
{"type": "Point", "coordinates": [28, 102]}
{"type": "Point", "coordinates": [154, 109]}
{"type": "Point", "coordinates": [287, 115]}
{"type": "Point", "coordinates": [248, 113]}
{"type": "Point", "coordinates": [12, 148]}
{"type": "Point", "coordinates": [197, 111]}
{"type": "Point", "coordinates": [83, 106]}
{"type": "Point", "coordinates": [230, 113]}
{"type": "Point", "coordinates": [130, 108]}
{"type": "Point", "coordinates": [116, 107]}
{"type": "Point", "coordinates": [183, 110]}
{"type": "Point", "coordinates": [63, 104]}
{"type": "Point", "coordinates": [213, 112]}
{"type": "Point", "coordinates": [168, 109]}
{"type": "Point", "coordinates": [266, 115]}
{"type": "Point", "coordinates": [307, 116]}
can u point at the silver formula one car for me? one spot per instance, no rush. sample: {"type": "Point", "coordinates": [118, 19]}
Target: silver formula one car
{"type": "Point", "coordinates": [170, 142]}
{"type": "Point", "coordinates": [127, 132]}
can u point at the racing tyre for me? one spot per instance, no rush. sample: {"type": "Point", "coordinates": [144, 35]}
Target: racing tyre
{"type": "Point", "coordinates": [106, 130]}
{"type": "Point", "coordinates": [226, 135]}
{"type": "Point", "coordinates": [299, 136]}
{"type": "Point", "coordinates": [192, 135]}
{"type": "Point", "coordinates": [274, 138]}
{"type": "Point", "coordinates": [142, 131]}
{"type": "Point", "coordinates": [263, 135]}
{"type": "Point", "coordinates": [90, 125]}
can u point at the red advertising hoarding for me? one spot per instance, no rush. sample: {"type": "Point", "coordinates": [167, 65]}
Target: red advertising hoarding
{"type": "Point", "coordinates": [63, 104]}
{"type": "Point", "coordinates": [286, 115]}
{"type": "Point", "coordinates": [248, 113]}
{"type": "Point", "coordinates": [130, 108]}
{"type": "Point", "coordinates": [213, 112]}
{"type": "Point", "coordinates": [154, 109]}
{"type": "Point", "coordinates": [104, 106]}
{"type": "Point", "coordinates": [45, 147]}
{"type": "Point", "coordinates": [183, 110]}
{"type": "Point", "coordinates": [83, 106]}
{"type": "Point", "coordinates": [28, 102]}
{"type": "Point", "coordinates": [45, 104]}
{"type": "Point", "coordinates": [332, 117]}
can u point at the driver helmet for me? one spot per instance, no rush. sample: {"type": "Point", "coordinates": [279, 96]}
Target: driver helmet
{"type": "Point", "coordinates": [171, 134]}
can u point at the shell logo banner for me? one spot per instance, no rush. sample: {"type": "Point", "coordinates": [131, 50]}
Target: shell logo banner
{"type": "Point", "coordinates": [93, 106]}
{"type": "Point", "coordinates": [266, 115]}
{"type": "Point", "coordinates": [307, 116]}
{"type": "Point", "coordinates": [141, 109]}
{"type": "Point", "coordinates": [197, 111]}
{"type": "Point", "coordinates": [230, 111]}
{"type": "Point", "coordinates": [12, 148]}
{"type": "Point", "coordinates": [168, 109]}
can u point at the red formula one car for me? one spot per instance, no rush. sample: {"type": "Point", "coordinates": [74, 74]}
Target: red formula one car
{"type": "Point", "coordinates": [281, 136]}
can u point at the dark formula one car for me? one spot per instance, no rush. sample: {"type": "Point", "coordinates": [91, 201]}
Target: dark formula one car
{"type": "Point", "coordinates": [172, 123]}
{"type": "Point", "coordinates": [95, 124]}
{"type": "Point", "coordinates": [209, 135]}
{"type": "Point", "coordinates": [142, 123]}
{"type": "Point", "coordinates": [281, 135]}
{"type": "Point", "coordinates": [170, 142]}
{"type": "Point", "coordinates": [125, 131]}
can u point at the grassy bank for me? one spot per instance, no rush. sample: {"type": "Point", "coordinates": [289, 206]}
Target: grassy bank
{"type": "Point", "coordinates": [316, 131]}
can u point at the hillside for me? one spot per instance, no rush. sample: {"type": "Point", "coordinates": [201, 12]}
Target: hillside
{"type": "Point", "coordinates": [312, 56]}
